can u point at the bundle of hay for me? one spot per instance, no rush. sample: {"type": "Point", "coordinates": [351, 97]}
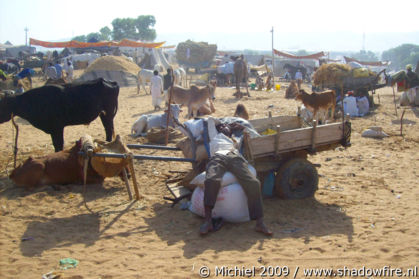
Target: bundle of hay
{"type": "Point", "coordinates": [331, 74]}
{"type": "Point", "coordinates": [158, 135]}
{"type": "Point", "coordinates": [199, 52]}
{"type": "Point", "coordinates": [113, 63]}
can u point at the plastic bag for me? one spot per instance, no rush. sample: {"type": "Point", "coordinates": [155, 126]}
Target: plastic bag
{"type": "Point", "coordinates": [196, 127]}
{"type": "Point", "coordinates": [231, 204]}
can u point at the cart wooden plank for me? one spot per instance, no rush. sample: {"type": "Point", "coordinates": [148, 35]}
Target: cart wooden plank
{"type": "Point", "coordinates": [296, 139]}
{"type": "Point", "coordinates": [286, 122]}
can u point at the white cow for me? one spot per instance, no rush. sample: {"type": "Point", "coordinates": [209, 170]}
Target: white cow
{"type": "Point", "coordinates": [148, 121]}
{"type": "Point", "coordinates": [144, 76]}
{"type": "Point", "coordinates": [180, 76]}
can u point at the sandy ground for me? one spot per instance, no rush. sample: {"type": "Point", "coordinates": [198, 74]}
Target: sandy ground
{"type": "Point", "coordinates": [364, 213]}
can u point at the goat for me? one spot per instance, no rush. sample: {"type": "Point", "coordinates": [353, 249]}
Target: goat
{"type": "Point", "coordinates": [241, 111]}
{"type": "Point", "coordinates": [315, 101]}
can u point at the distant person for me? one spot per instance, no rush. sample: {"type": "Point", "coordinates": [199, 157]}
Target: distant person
{"type": "Point", "coordinates": [299, 78]}
{"type": "Point", "coordinates": [51, 71]}
{"type": "Point", "coordinates": [59, 69]}
{"type": "Point", "coordinates": [25, 73]}
{"type": "Point", "coordinates": [156, 90]}
{"type": "Point", "coordinates": [167, 82]}
{"type": "Point", "coordinates": [412, 84]}
{"type": "Point", "coordinates": [412, 77]}
{"type": "Point", "coordinates": [69, 69]}
{"type": "Point", "coordinates": [287, 76]}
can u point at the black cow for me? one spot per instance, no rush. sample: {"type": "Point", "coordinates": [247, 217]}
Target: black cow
{"type": "Point", "coordinates": [50, 108]}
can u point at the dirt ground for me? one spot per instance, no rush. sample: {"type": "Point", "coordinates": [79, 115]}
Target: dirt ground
{"type": "Point", "coordinates": [365, 213]}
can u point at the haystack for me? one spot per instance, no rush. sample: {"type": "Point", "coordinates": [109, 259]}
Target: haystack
{"type": "Point", "coordinates": [331, 74]}
{"type": "Point", "coordinates": [116, 68]}
{"type": "Point", "coordinates": [113, 63]}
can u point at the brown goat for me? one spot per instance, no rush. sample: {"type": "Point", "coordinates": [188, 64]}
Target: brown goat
{"type": "Point", "coordinates": [241, 111]}
{"type": "Point", "coordinates": [316, 101]}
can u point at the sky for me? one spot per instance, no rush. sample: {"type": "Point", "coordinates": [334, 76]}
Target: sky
{"type": "Point", "coordinates": [310, 25]}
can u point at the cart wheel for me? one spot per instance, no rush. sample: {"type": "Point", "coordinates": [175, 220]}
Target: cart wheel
{"type": "Point", "coordinates": [296, 179]}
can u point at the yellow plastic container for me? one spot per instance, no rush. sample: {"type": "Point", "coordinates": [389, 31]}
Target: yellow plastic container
{"type": "Point", "coordinates": [277, 86]}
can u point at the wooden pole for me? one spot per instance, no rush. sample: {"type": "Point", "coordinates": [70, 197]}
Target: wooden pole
{"type": "Point", "coordinates": [125, 176]}
{"type": "Point", "coordinates": [16, 139]}
{"type": "Point", "coordinates": [343, 111]}
{"type": "Point", "coordinates": [313, 136]}
{"type": "Point", "coordinates": [168, 109]}
{"type": "Point", "coordinates": [134, 179]}
{"type": "Point", "coordinates": [394, 100]}
{"type": "Point", "coordinates": [401, 122]}
{"type": "Point", "coordinates": [273, 59]}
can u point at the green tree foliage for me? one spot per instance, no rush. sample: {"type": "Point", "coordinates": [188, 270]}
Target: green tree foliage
{"type": "Point", "coordinates": [93, 37]}
{"type": "Point", "coordinates": [401, 56]}
{"type": "Point", "coordinates": [365, 56]}
{"type": "Point", "coordinates": [105, 34]}
{"type": "Point", "coordinates": [134, 29]}
{"type": "Point", "coordinates": [81, 38]}
{"type": "Point", "coordinates": [139, 28]}
{"type": "Point", "coordinates": [302, 52]}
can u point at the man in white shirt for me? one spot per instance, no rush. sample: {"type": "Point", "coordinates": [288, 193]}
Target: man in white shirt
{"type": "Point", "coordinates": [225, 157]}
{"type": "Point", "coordinates": [68, 67]}
{"type": "Point", "coordinates": [156, 90]}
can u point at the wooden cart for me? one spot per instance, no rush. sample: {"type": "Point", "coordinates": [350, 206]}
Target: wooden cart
{"type": "Point", "coordinates": [285, 153]}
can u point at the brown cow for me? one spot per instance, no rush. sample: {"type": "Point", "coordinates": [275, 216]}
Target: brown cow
{"type": "Point", "coordinates": [241, 111]}
{"type": "Point", "coordinates": [315, 101]}
{"type": "Point", "coordinates": [207, 108]}
{"type": "Point", "coordinates": [194, 97]}
{"type": "Point", "coordinates": [64, 167]}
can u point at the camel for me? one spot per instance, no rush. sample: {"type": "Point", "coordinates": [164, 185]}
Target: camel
{"type": "Point", "coordinates": [240, 73]}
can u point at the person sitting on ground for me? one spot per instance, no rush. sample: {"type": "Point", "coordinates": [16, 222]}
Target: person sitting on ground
{"type": "Point", "coordinates": [225, 157]}
{"type": "Point", "coordinates": [25, 73]}
{"type": "Point", "coordinates": [156, 90]}
{"type": "Point", "coordinates": [51, 72]}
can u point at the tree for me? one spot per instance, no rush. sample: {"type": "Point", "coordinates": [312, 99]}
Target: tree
{"type": "Point", "coordinates": [93, 37]}
{"type": "Point", "coordinates": [81, 38]}
{"type": "Point", "coordinates": [105, 34]}
{"type": "Point", "coordinates": [134, 29]}
{"type": "Point", "coordinates": [302, 52]}
{"type": "Point", "coordinates": [366, 56]}
{"type": "Point", "coordinates": [401, 56]}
